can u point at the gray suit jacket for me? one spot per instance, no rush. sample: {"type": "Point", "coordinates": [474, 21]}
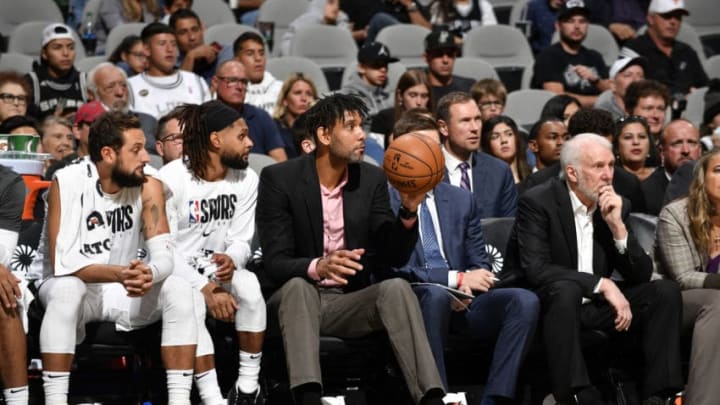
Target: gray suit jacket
{"type": "Point", "coordinates": [675, 251]}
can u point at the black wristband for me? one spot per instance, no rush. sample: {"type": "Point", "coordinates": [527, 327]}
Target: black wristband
{"type": "Point", "coordinates": [405, 213]}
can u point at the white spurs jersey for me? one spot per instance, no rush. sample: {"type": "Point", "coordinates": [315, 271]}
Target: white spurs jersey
{"type": "Point", "coordinates": [209, 217]}
{"type": "Point", "coordinates": [95, 227]}
{"type": "Point", "coordinates": [157, 96]}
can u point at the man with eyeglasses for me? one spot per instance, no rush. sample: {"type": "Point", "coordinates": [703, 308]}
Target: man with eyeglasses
{"type": "Point", "coordinates": [107, 84]}
{"type": "Point", "coordinates": [674, 63]}
{"type": "Point", "coordinates": [169, 143]}
{"type": "Point", "coordinates": [440, 54]}
{"type": "Point", "coordinates": [58, 88]}
{"type": "Point", "coordinates": [490, 96]}
{"type": "Point", "coordinates": [162, 87]}
{"type": "Point", "coordinates": [230, 82]}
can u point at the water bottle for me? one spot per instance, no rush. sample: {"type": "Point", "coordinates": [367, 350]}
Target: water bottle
{"type": "Point", "coordinates": [89, 39]}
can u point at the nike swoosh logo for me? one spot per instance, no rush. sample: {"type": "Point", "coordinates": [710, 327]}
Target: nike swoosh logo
{"type": "Point", "coordinates": [17, 390]}
{"type": "Point", "coordinates": [187, 374]}
{"type": "Point", "coordinates": [255, 356]}
{"type": "Point", "coordinates": [53, 376]}
{"type": "Point", "coordinates": [206, 233]}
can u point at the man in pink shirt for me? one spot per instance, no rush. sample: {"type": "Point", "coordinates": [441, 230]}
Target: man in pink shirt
{"type": "Point", "coordinates": [325, 226]}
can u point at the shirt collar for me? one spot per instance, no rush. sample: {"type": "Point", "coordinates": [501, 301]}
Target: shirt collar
{"type": "Point", "coordinates": [338, 189]}
{"type": "Point", "coordinates": [452, 162]}
{"type": "Point", "coordinates": [578, 207]}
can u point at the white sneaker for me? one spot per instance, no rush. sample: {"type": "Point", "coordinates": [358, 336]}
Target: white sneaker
{"type": "Point", "coordinates": [455, 398]}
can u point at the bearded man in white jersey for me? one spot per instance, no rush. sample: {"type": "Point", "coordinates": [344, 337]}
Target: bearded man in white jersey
{"type": "Point", "coordinates": [211, 199]}
{"type": "Point", "coordinates": [99, 212]}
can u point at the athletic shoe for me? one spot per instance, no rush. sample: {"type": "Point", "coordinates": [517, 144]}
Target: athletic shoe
{"type": "Point", "coordinates": [237, 397]}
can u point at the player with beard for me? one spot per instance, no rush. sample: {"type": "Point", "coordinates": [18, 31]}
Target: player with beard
{"type": "Point", "coordinates": [89, 268]}
{"type": "Point", "coordinates": [567, 67]}
{"type": "Point", "coordinates": [211, 199]}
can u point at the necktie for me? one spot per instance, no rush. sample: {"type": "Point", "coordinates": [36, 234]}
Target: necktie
{"type": "Point", "coordinates": [464, 178]}
{"type": "Point", "coordinates": [431, 248]}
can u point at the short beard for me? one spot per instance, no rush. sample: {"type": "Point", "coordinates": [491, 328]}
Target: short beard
{"type": "Point", "coordinates": [582, 188]}
{"type": "Point", "coordinates": [571, 42]}
{"type": "Point", "coordinates": [126, 180]}
{"type": "Point", "coordinates": [238, 162]}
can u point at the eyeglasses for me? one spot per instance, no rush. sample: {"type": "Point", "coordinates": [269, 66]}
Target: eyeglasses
{"type": "Point", "coordinates": [233, 81]}
{"type": "Point", "coordinates": [8, 98]}
{"type": "Point", "coordinates": [176, 138]}
{"type": "Point", "coordinates": [139, 55]}
{"type": "Point", "coordinates": [486, 105]}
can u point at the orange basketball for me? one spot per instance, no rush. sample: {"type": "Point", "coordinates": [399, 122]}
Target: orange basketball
{"type": "Point", "coordinates": [414, 163]}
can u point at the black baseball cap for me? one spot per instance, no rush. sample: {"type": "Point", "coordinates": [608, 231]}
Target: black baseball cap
{"type": "Point", "coordinates": [375, 52]}
{"type": "Point", "coordinates": [571, 8]}
{"type": "Point", "coordinates": [442, 39]}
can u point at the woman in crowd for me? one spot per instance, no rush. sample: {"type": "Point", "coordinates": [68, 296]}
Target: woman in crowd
{"type": "Point", "coordinates": [412, 91]}
{"type": "Point", "coordinates": [112, 13]}
{"type": "Point", "coordinates": [632, 145]}
{"type": "Point", "coordinates": [688, 251]}
{"type": "Point", "coordinates": [297, 94]}
{"type": "Point", "coordinates": [561, 106]}
{"type": "Point", "coordinates": [130, 56]}
{"type": "Point", "coordinates": [14, 91]}
{"type": "Point", "coordinates": [56, 138]}
{"type": "Point", "coordinates": [500, 138]}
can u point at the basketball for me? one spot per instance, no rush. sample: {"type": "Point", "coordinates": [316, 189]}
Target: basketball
{"type": "Point", "coordinates": [414, 163]}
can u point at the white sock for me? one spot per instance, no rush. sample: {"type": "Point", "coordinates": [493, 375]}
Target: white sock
{"type": "Point", "coordinates": [208, 388]}
{"type": "Point", "coordinates": [17, 395]}
{"type": "Point", "coordinates": [56, 385]}
{"type": "Point", "coordinates": [179, 383]}
{"type": "Point", "coordinates": [248, 372]}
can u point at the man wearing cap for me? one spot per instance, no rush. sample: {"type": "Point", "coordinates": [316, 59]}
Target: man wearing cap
{"type": "Point", "coordinates": [622, 73]}
{"type": "Point", "coordinates": [107, 83]}
{"type": "Point", "coordinates": [84, 117]}
{"type": "Point", "coordinates": [440, 53]}
{"type": "Point", "coordinates": [371, 78]}
{"type": "Point", "coordinates": [567, 66]}
{"type": "Point", "coordinates": [675, 63]}
{"type": "Point", "coordinates": [57, 87]}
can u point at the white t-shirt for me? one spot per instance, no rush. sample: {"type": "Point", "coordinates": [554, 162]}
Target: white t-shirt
{"type": "Point", "coordinates": [209, 217]}
{"type": "Point", "coordinates": [157, 96]}
{"type": "Point", "coordinates": [264, 94]}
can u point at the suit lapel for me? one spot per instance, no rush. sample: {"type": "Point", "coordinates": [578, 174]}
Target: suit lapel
{"type": "Point", "coordinates": [352, 204]}
{"type": "Point", "coordinates": [477, 168]}
{"type": "Point", "coordinates": [313, 202]}
{"type": "Point", "coordinates": [566, 219]}
{"type": "Point", "coordinates": [442, 206]}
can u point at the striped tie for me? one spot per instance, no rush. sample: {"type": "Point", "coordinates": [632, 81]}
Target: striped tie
{"type": "Point", "coordinates": [464, 178]}
{"type": "Point", "coordinates": [431, 247]}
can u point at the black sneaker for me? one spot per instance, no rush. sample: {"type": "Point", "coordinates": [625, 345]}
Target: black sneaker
{"type": "Point", "coordinates": [237, 397]}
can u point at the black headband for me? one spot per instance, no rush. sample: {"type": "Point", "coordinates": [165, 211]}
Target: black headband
{"type": "Point", "coordinates": [219, 116]}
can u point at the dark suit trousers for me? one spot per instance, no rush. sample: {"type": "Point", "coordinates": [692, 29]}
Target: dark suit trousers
{"type": "Point", "coordinates": [303, 313]}
{"type": "Point", "coordinates": [657, 316]}
{"type": "Point", "coordinates": [505, 317]}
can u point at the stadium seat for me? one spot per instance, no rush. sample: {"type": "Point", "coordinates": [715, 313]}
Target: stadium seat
{"type": "Point", "coordinates": [643, 226]}
{"type": "Point", "coordinates": [474, 68]}
{"type": "Point", "coordinates": [524, 106]}
{"type": "Point", "coordinates": [395, 70]}
{"type": "Point", "coordinates": [212, 12]}
{"type": "Point", "coordinates": [518, 12]}
{"type": "Point", "coordinates": [505, 48]}
{"type": "Point", "coordinates": [27, 39]}
{"type": "Point", "coordinates": [284, 66]}
{"type": "Point", "coordinates": [17, 62]}
{"type": "Point", "coordinates": [227, 33]}
{"type": "Point", "coordinates": [258, 161]}
{"type": "Point", "coordinates": [327, 45]}
{"type": "Point", "coordinates": [281, 13]}
{"type": "Point", "coordinates": [117, 34]}
{"type": "Point", "coordinates": [703, 17]}
{"type": "Point", "coordinates": [406, 42]}
{"type": "Point", "coordinates": [695, 106]}
{"type": "Point", "coordinates": [15, 12]}
{"type": "Point", "coordinates": [601, 40]}
{"type": "Point", "coordinates": [85, 64]}
{"type": "Point", "coordinates": [712, 67]}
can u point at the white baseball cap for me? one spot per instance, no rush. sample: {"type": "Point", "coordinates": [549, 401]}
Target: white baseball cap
{"type": "Point", "coordinates": [666, 6]}
{"type": "Point", "coordinates": [56, 31]}
{"type": "Point", "coordinates": [626, 62]}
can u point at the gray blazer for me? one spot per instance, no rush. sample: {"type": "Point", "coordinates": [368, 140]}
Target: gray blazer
{"type": "Point", "coordinates": [675, 251]}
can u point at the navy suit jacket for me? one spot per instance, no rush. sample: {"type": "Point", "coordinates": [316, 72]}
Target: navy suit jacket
{"type": "Point", "coordinates": [462, 237]}
{"type": "Point", "coordinates": [493, 186]}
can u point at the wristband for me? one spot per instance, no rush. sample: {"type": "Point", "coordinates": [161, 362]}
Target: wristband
{"type": "Point", "coordinates": [460, 278]}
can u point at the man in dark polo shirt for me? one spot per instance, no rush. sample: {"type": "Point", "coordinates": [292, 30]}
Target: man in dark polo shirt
{"type": "Point", "coordinates": [674, 63]}
{"type": "Point", "coordinates": [440, 54]}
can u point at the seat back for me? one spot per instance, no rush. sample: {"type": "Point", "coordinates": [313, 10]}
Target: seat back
{"type": "Point", "coordinates": [525, 106]}
{"type": "Point", "coordinates": [117, 34]}
{"type": "Point", "coordinates": [601, 40]}
{"type": "Point", "coordinates": [406, 42]}
{"type": "Point", "coordinates": [258, 161]}
{"type": "Point", "coordinates": [329, 46]}
{"type": "Point", "coordinates": [212, 12]}
{"type": "Point", "coordinates": [281, 13]}
{"type": "Point", "coordinates": [643, 226]}
{"type": "Point", "coordinates": [227, 33]}
{"type": "Point", "coordinates": [284, 66]}
{"type": "Point", "coordinates": [17, 62]}
{"type": "Point", "coordinates": [695, 106]}
{"type": "Point", "coordinates": [27, 39]}
{"type": "Point", "coordinates": [499, 45]}
{"type": "Point", "coordinates": [474, 68]}
{"type": "Point", "coordinates": [496, 232]}
{"type": "Point", "coordinates": [712, 67]}
{"type": "Point", "coordinates": [15, 12]}
{"type": "Point", "coordinates": [86, 64]}
{"type": "Point", "coordinates": [703, 16]}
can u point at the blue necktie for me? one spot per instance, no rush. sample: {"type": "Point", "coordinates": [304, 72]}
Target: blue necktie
{"type": "Point", "coordinates": [431, 248]}
{"type": "Point", "coordinates": [464, 178]}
